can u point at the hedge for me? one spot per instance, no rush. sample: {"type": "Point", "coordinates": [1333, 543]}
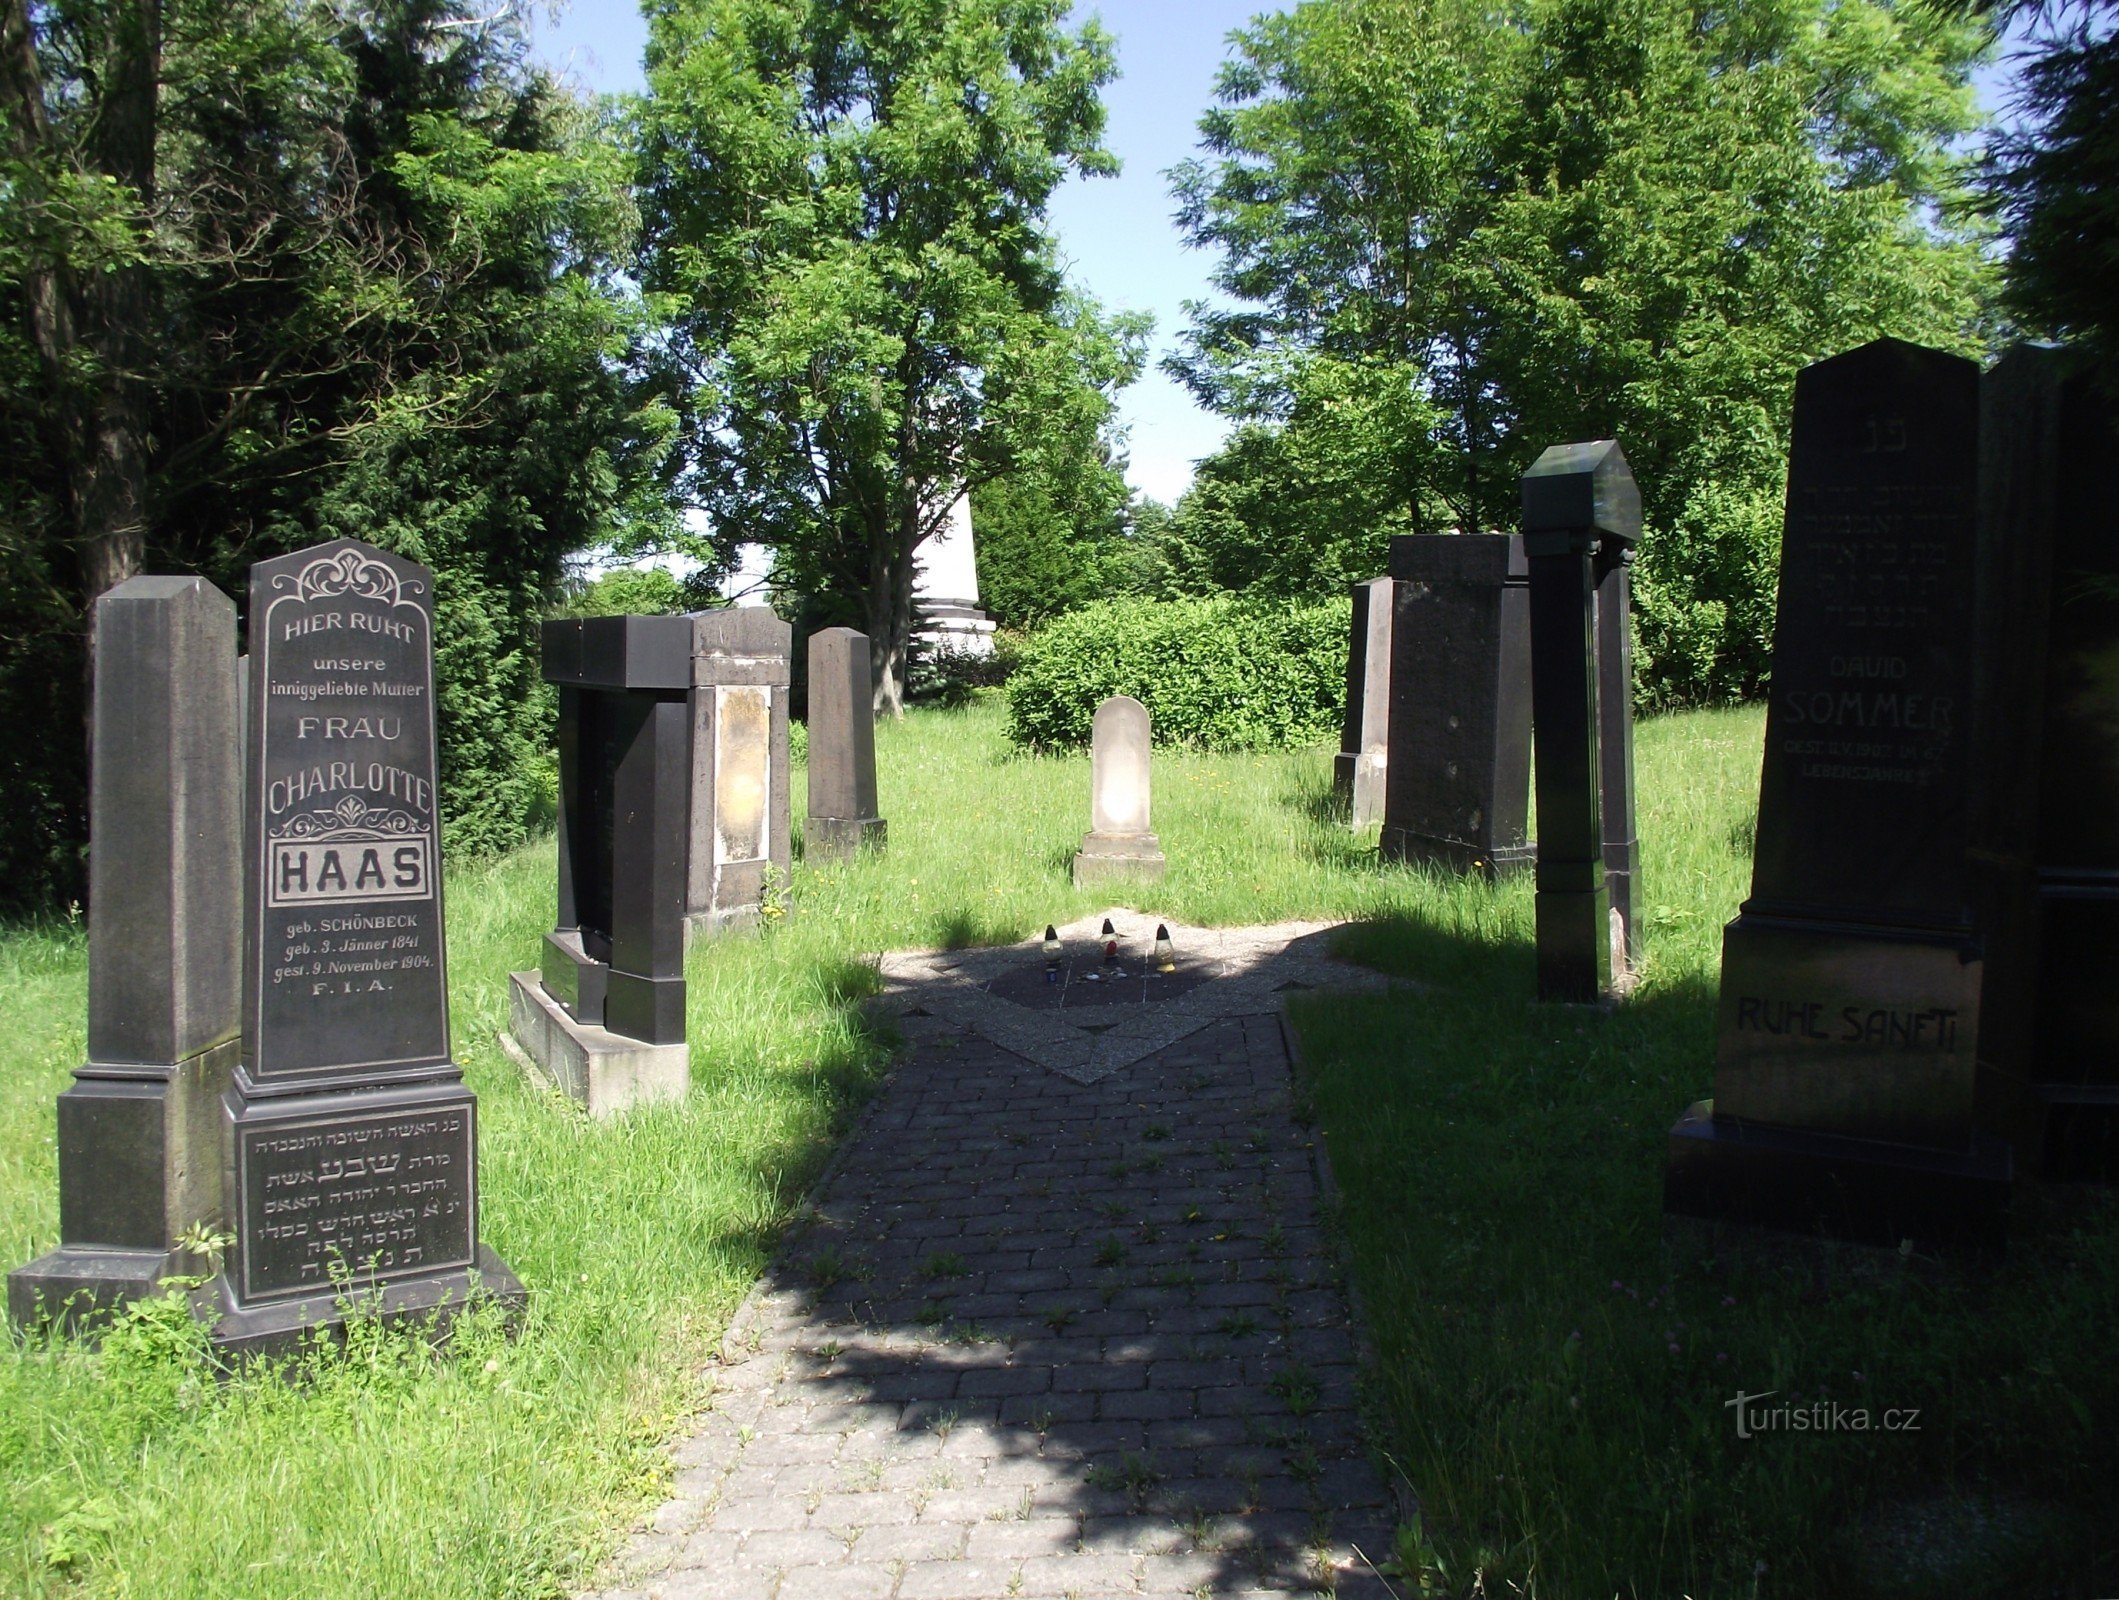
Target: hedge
{"type": "Point", "coordinates": [1222, 673]}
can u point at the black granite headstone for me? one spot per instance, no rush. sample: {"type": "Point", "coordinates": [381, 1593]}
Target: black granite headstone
{"type": "Point", "coordinates": [1845, 1083]}
{"type": "Point", "coordinates": [2046, 791]}
{"type": "Point", "coordinates": [615, 960]}
{"type": "Point", "coordinates": [354, 1142]}
{"type": "Point", "coordinates": [1581, 516]}
{"type": "Point", "coordinates": [1457, 780]}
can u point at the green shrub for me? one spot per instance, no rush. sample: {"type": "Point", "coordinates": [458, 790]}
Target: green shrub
{"type": "Point", "coordinates": [1225, 673]}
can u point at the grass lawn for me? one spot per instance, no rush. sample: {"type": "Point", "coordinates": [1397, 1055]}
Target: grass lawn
{"type": "Point", "coordinates": [1500, 1166]}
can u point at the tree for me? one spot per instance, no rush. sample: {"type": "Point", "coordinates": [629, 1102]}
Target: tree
{"type": "Point", "coordinates": [843, 210]}
{"type": "Point", "coordinates": [349, 270]}
{"type": "Point", "coordinates": [1571, 219]}
{"type": "Point", "coordinates": [2055, 179]}
{"type": "Point", "coordinates": [1054, 528]}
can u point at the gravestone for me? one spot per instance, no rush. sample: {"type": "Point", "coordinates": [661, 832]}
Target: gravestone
{"type": "Point", "coordinates": [2046, 796]}
{"type": "Point", "coordinates": [1457, 781]}
{"type": "Point", "coordinates": [1118, 845]}
{"type": "Point", "coordinates": [741, 820]}
{"type": "Point", "coordinates": [603, 1020]}
{"type": "Point", "coordinates": [1364, 742]}
{"type": "Point", "coordinates": [842, 748]}
{"type": "Point", "coordinates": [354, 1150]}
{"type": "Point", "coordinates": [1581, 520]}
{"type": "Point", "coordinates": [139, 1131]}
{"type": "Point", "coordinates": [1845, 1083]}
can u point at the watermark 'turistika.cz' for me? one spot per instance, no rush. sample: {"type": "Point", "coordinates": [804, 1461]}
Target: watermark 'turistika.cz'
{"type": "Point", "coordinates": [1820, 1416]}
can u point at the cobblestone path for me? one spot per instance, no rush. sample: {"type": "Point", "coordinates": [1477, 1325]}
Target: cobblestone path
{"type": "Point", "coordinates": [1041, 1338]}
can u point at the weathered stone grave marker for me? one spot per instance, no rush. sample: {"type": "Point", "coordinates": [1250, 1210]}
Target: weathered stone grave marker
{"type": "Point", "coordinates": [140, 1128]}
{"type": "Point", "coordinates": [2046, 796]}
{"type": "Point", "coordinates": [1358, 771]}
{"type": "Point", "coordinates": [1457, 780]}
{"type": "Point", "coordinates": [1118, 845]}
{"type": "Point", "coordinates": [1849, 1023]}
{"type": "Point", "coordinates": [604, 1019]}
{"type": "Point", "coordinates": [354, 1141]}
{"type": "Point", "coordinates": [1581, 520]}
{"type": "Point", "coordinates": [741, 822]}
{"type": "Point", "coordinates": [842, 748]}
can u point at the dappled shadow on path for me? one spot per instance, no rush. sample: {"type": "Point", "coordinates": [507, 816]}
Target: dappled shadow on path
{"type": "Point", "coordinates": [1040, 1338]}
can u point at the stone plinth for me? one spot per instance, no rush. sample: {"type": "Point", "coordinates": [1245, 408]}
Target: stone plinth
{"type": "Point", "coordinates": [601, 1071]}
{"type": "Point", "coordinates": [1457, 783]}
{"type": "Point", "coordinates": [1364, 741]}
{"type": "Point", "coordinates": [615, 957]}
{"type": "Point", "coordinates": [1581, 517]}
{"type": "Point", "coordinates": [1846, 1094]}
{"type": "Point", "coordinates": [139, 1131]}
{"type": "Point", "coordinates": [842, 816]}
{"type": "Point", "coordinates": [740, 816]}
{"type": "Point", "coordinates": [1119, 845]}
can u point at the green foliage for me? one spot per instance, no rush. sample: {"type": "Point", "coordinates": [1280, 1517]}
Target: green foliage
{"type": "Point", "coordinates": [844, 213]}
{"type": "Point", "coordinates": [381, 270]}
{"type": "Point", "coordinates": [2055, 180]}
{"type": "Point", "coordinates": [1308, 505]}
{"type": "Point", "coordinates": [1562, 220]}
{"type": "Point", "coordinates": [631, 592]}
{"type": "Point", "coordinates": [1218, 674]}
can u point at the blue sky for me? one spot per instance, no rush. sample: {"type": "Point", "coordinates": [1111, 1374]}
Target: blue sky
{"type": "Point", "coordinates": [1116, 234]}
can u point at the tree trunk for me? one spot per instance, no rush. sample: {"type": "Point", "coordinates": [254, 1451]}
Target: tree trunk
{"type": "Point", "coordinates": [99, 423]}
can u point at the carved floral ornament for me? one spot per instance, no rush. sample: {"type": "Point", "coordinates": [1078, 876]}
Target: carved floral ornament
{"type": "Point", "coordinates": [351, 818]}
{"type": "Point", "coordinates": [351, 571]}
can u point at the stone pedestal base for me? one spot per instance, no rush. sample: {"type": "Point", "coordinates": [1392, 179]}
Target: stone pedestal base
{"type": "Point", "coordinates": [278, 1327]}
{"type": "Point", "coordinates": [1862, 1190]}
{"type": "Point", "coordinates": [1118, 858]}
{"type": "Point", "coordinates": [1455, 855]}
{"type": "Point", "coordinates": [1357, 783]}
{"type": "Point", "coordinates": [2079, 1140]}
{"type": "Point", "coordinates": [79, 1286]}
{"type": "Point", "coordinates": [603, 1072]}
{"type": "Point", "coordinates": [841, 838]}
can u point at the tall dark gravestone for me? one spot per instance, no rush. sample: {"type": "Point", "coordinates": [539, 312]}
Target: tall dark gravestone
{"type": "Point", "coordinates": [140, 1128]}
{"type": "Point", "coordinates": [354, 1149]}
{"type": "Point", "coordinates": [842, 817]}
{"type": "Point", "coordinates": [604, 1019]}
{"type": "Point", "coordinates": [1581, 520]}
{"type": "Point", "coordinates": [1457, 779]}
{"type": "Point", "coordinates": [2046, 803]}
{"type": "Point", "coordinates": [742, 663]}
{"type": "Point", "coordinates": [1845, 1080]}
{"type": "Point", "coordinates": [1359, 770]}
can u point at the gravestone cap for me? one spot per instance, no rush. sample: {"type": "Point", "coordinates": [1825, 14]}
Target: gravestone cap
{"type": "Point", "coordinates": [619, 652]}
{"type": "Point", "coordinates": [1577, 489]}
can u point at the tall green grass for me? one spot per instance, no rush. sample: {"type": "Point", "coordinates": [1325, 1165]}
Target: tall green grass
{"type": "Point", "coordinates": [1554, 1379]}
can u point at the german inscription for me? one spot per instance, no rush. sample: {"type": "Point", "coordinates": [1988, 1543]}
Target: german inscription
{"type": "Point", "coordinates": [348, 1198]}
{"type": "Point", "coordinates": [1862, 809]}
{"type": "Point", "coordinates": [347, 973]}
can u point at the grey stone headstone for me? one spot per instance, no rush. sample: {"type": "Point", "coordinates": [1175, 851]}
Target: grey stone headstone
{"type": "Point", "coordinates": [1358, 772]}
{"type": "Point", "coordinates": [1845, 1079]}
{"type": "Point", "coordinates": [842, 748]}
{"type": "Point", "coordinates": [1119, 844]}
{"type": "Point", "coordinates": [1457, 784]}
{"type": "Point", "coordinates": [741, 817]}
{"type": "Point", "coordinates": [354, 1140]}
{"type": "Point", "coordinates": [139, 1130]}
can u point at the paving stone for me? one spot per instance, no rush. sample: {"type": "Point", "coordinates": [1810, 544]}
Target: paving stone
{"type": "Point", "coordinates": [1066, 1426]}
